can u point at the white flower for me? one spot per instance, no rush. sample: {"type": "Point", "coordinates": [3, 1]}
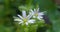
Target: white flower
{"type": "Point", "coordinates": [37, 14]}
{"type": "Point", "coordinates": [24, 18]}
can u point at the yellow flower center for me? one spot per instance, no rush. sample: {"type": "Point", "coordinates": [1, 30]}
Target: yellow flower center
{"type": "Point", "coordinates": [25, 20]}
{"type": "Point", "coordinates": [36, 14]}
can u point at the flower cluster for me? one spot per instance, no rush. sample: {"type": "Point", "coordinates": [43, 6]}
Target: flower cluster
{"type": "Point", "coordinates": [30, 18]}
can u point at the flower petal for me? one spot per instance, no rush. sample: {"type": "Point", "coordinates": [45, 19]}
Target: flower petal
{"type": "Point", "coordinates": [38, 10]}
{"type": "Point", "coordinates": [20, 16]}
{"type": "Point", "coordinates": [26, 23]}
{"type": "Point", "coordinates": [21, 22]}
{"type": "Point", "coordinates": [34, 16]}
{"type": "Point", "coordinates": [35, 11]}
{"type": "Point", "coordinates": [31, 21]}
{"type": "Point", "coordinates": [41, 13]}
{"type": "Point", "coordinates": [39, 17]}
{"type": "Point", "coordinates": [31, 10]}
{"type": "Point", "coordinates": [30, 14]}
{"type": "Point", "coordinates": [24, 13]}
{"type": "Point", "coordinates": [17, 19]}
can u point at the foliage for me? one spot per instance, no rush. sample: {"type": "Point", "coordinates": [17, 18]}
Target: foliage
{"type": "Point", "coordinates": [8, 10]}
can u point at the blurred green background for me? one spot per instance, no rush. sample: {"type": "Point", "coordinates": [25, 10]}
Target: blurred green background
{"type": "Point", "coordinates": [8, 10]}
